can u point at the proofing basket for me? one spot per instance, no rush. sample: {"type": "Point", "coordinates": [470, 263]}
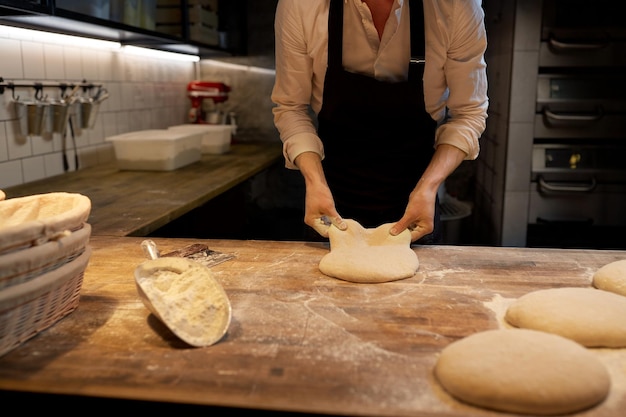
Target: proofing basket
{"type": "Point", "coordinates": [20, 266]}
{"type": "Point", "coordinates": [36, 219]}
{"type": "Point", "coordinates": [31, 307]}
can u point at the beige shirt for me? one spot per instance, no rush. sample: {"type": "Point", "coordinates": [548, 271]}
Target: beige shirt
{"type": "Point", "coordinates": [455, 80]}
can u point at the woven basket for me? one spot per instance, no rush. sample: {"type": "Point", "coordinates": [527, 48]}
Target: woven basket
{"type": "Point", "coordinates": [23, 265]}
{"type": "Point", "coordinates": [33, 220]}
{"type": "Point", "coordinates": [31, 307]}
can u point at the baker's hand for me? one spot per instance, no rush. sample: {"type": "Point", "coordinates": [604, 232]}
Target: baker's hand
{"type": "Point", "coordinates": [320, 211]}
{"type": "Point", "coordinates": [418, 217]}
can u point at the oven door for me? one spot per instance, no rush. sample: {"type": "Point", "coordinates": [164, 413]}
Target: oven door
{"type": "Point", "coordinates": [581, 105]}
{"type": "Point", "coordinates": [582, 33]}
{"type": "Point", "coordinates": [577, 196]}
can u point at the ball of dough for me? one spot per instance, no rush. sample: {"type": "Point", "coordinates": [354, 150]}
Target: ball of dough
{"type": "Point", "coordinates": [522, 371]}
{"type": "Point", "coordinates": [369, 255]}
{"type": "Point", "coordinates": [611, 277]}
{"type": "Point", "coordinates": [591, 317]}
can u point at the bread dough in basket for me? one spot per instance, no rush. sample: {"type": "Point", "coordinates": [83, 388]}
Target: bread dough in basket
{"type": "Point", "coordinates": [369, 255]}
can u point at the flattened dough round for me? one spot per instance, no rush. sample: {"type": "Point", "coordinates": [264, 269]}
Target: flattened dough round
{"type": "Point", "coordinates": [522, 371]}
{"type": "Point", "coordinates": [369, 255]}
{"type": "Point", "coordinates": [611, 277]}
{"type": "Point", "coordinates": [591, 317]}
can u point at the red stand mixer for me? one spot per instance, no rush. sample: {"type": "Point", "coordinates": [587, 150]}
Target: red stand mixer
{"type": "Point", "coordinates": [198, 92]}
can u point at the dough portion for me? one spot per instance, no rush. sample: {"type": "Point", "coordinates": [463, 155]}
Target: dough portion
{"type": "Point", "coordinates": [591, 317]}
{"type": "Point", "coordinates": [522, 371]}
{"type": "Point", "coordinates": [611, 277]}
{"type": "Point", "coordinates": [369, 255]}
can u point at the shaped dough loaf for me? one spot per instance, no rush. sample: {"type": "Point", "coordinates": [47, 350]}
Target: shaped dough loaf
{"type": "Point", "coordinates": [369, 255]}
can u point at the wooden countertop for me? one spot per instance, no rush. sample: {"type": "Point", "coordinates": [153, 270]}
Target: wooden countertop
{"type": "Point", "coordinates": [298, 341]}
{"type": "Point", "coordinates": [135, 203]}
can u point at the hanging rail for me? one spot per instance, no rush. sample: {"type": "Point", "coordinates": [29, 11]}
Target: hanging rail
{"type": "Point", "coordinates": [39, 86]}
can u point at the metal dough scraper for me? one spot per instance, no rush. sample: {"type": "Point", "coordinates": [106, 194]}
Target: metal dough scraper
{"type": "Point", "coordinates": [197, 252]}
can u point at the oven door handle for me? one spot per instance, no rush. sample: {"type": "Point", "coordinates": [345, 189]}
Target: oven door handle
{"type": "Point", "coordinates": [567, 188]}
{"type": "Point", "coordinates": [574, 46]}
{"type": "Point", "coordinates": [572, 117]}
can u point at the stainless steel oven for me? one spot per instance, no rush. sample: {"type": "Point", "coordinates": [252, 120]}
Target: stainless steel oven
{"type": "Point", "coordinates": [581, 105]}
{"type": "Point", "coordinates": [578, 196]}
{"type": "Point", "coordinates": [582, 33]}
{"type": "Point", "coordinates": [578, 180]}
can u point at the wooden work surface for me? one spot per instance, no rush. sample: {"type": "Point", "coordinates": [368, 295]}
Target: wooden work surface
{"type": "Point", "coordinates": [299, 341]}
{"type": "Point", "coordinates": [136, 203]}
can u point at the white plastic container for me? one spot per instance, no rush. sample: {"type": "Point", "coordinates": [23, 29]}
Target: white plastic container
{"type": "Point", "coordinates": [215, 138]}
{"type": "Point", "coordinates": [156, 149]}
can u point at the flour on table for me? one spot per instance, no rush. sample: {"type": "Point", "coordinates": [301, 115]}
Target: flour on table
{"type": "Point", "coordinates": [369, 255]}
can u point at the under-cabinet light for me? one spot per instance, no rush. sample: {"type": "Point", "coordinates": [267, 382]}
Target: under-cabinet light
{"type": "Point", "coordinates": [239, 67]}
{"type": "Point", "coordinates": [153, 53]}
{"type": "Point", "coordinates": [56, 38]}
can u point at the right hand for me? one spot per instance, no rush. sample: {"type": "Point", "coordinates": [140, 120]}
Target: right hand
{"type": "Point", "coordinates": [319, 205]}
{"type": "Point", "coordinates": [320, 211]}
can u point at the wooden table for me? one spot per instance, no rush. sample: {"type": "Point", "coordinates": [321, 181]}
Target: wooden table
{"type": "Point", "coordinates": [135, 203]}
{"type": "Point", "coordinates": [298, 341]}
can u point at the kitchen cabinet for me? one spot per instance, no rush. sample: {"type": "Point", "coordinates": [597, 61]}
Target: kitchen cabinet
{"type": "Point", "coordinates": [183, 32]}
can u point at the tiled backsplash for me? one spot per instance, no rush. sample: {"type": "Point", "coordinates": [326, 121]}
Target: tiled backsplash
{"type": "Point", "coordinates": [145, 93]}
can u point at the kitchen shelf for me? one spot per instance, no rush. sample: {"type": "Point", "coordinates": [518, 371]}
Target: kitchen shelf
{"type": "Point", "coordinates": [42, 15]}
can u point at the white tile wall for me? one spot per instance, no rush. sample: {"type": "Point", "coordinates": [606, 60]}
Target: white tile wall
{"type": "Point", "coordinates": [503, 186]}
{"type": "Point", "coordinates": [145, 93]}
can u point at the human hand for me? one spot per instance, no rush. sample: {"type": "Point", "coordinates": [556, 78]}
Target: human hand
{"type": "Point", "coordinates": [419, 216]}
{"type": "Point", "coordinates": [320, 212]}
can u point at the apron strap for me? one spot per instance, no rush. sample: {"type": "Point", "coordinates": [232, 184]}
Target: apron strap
{"type": "Point", "coordinates": [418, 41]}
{"type": "Point", "coordinates": [335, 34]}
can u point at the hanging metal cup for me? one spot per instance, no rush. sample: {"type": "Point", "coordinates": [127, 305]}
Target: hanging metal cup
{"type": "Point", "coordinates": [89, 107]}
{"type": "Point", "coordinates": [59, 113]}
{"type": "Point", "coordinates": [88, 112]}
{"type": "Point", "coordinates": [31, 114]}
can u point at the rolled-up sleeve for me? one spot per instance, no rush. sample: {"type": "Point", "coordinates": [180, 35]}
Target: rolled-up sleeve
{"type": "Point", "coordinates": [292, 92]}
{"type": "Point", "coordinates": [455, 79]}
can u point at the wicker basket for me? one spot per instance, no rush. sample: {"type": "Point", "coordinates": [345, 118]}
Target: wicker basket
{"type": "Point", "coordinates": [20, 266]}
{"type": "Point", "coordinates": [33, 220]}
{"type": "Point", "coordinates": [31, 307]}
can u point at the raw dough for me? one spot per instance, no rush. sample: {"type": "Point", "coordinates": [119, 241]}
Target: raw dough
{"type": "Point", "coordinates": [369, 255]}
{"type": "Point", "coordinates": [186, 297]}
{"type": "Point", "coordinates": [611, 277]}
{"type": "Point", "coordinates": [591, 317]}
{"type": "Point", "coordinates": [522, 371]}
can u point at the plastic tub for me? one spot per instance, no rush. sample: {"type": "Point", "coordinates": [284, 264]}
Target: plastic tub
{"type": "Point", "coordinates": [156, 150]}
{"type": "Point", "coordinates": [216, 139]}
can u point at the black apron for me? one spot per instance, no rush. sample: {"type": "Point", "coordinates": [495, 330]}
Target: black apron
{"type": "Point", "coordinates": [378, 137]}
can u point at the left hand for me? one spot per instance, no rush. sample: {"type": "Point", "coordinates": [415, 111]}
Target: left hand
{"type": "Point", "coordinates": [419, 216]}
